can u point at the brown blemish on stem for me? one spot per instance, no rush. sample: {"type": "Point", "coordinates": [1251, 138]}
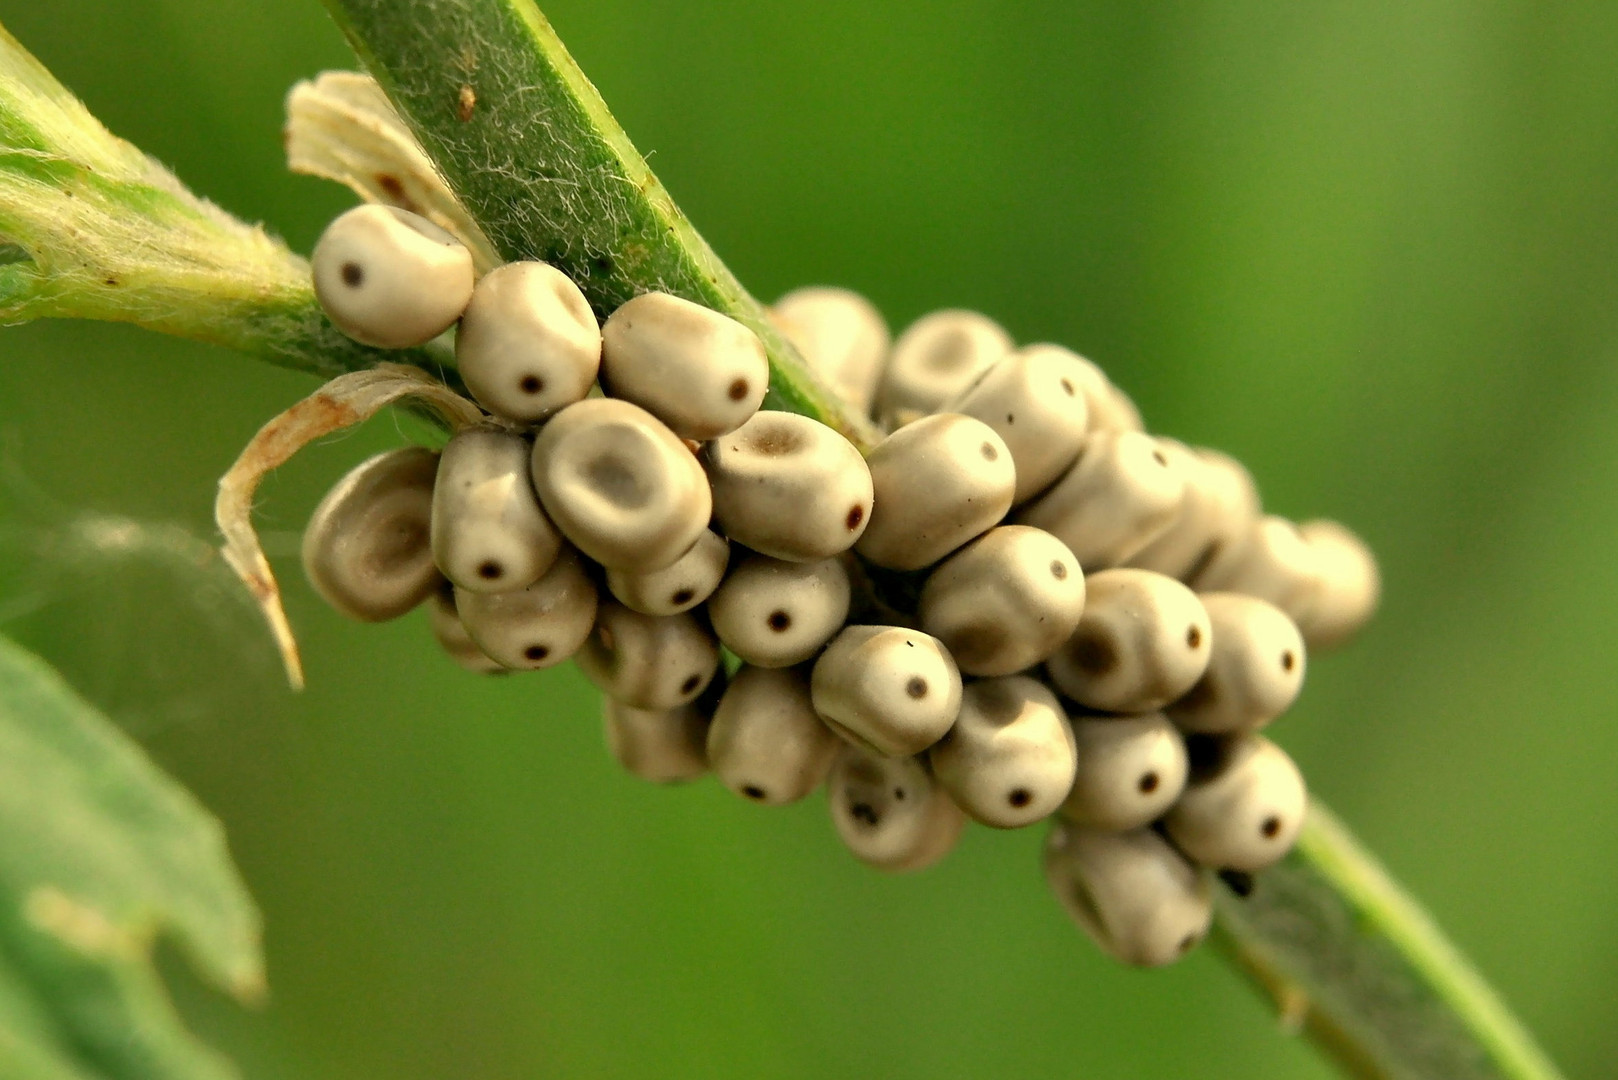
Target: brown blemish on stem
{"type": "Point", "coordinates": [395, 191]}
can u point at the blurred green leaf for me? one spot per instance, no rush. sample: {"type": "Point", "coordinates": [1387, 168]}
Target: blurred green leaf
{"type": "Point", "coordinates": [31, 1046]}
{"type": "Point", "coordinates": [100, 853]}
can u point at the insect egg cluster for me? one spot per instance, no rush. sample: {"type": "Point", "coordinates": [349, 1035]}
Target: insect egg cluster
{"type": "Point", "coordinates": [1018, 605]}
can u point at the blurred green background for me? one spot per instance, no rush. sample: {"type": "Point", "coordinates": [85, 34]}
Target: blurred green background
{"type": "Point", "coordinates": [1371, 248]}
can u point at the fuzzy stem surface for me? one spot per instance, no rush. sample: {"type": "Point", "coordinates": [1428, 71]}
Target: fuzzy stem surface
{"type": "Point", "coordinates": [528, 146]}
{"type": "Point", "coordinates": [91, 228]}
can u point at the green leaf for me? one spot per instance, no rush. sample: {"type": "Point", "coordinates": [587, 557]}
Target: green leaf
{"type": "Point", "coordinates": [100, 853]}
{"type": "Point", "coordinates": [91, 228]}
{"type": "Point", "coordinates": [31, 1045]}
{"type": "Point", "coordinates": [529, 147]}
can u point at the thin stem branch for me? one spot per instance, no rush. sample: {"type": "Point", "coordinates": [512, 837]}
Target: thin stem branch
{"type": "Point", "coordinates": [91, 228]}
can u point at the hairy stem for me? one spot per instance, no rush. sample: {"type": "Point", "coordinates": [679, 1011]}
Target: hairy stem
{"type": "Point", "coordinates": [529, 148]}
{"type": "Point", "coordinates": [91, 228]}
{"type": "Point", "coordinates": [1362, 967]}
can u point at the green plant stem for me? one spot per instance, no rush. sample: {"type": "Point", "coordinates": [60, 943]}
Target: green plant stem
{"type": "Point", "coordinates": [527, 144]}
{"type": "Point", "coordinates": [91, 228]}
{"type": "Point", "coordinates": [1363, 968]}
{"type": "Point", "coordinates": [529, 147]}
